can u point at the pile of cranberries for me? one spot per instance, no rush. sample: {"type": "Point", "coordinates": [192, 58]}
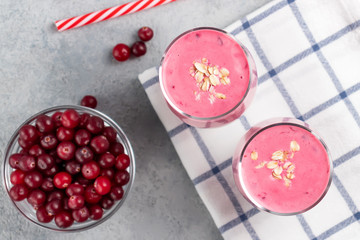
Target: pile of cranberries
{"type": "Point", "coordinates": [122, 52]}
{"type": "Point", "coordinates": [70, 168]}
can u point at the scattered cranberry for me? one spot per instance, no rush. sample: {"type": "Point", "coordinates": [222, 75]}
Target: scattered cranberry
{"type": "Point", "coordinates": [76, 202]}
{"type": "Point", "coordinates": [56, 118]}
{"type": "Point", "coordinates": [81, 215]}
{"type": "Point", "coordinates": [33, 179]}
{"type": "Point", "coordinates": [64, 219]}
{"type": "Point", "coordinates": [121, 52]}
{"type": "Point", "coordinates": [62, 180]}
{"type": "Point", "coordinates": [102, 185]}
{"type": "Point", "coordinates": [145, 33]}
{"type": "Point", "coordinates": [122, 161]}
{"type": "Point", "coordinates": [70, 118]}
{"type": "Point", "coordinates": [18, 192]}
{"type": "Point", "coordinates": [90, 170]}
{"type": "Point", "coordinates": [96, 212]}
{"type": "Point", "coordinates": [43, 216]}
{"type": "Point", "coordinates": [89, 101]}
{"type": "Point", "coordinates": [17, 177]}
{"type": "Point", "coordinates": [138, 48]}
{"type": "Point", "coordinates": [99, 144]}
{"type": "Point", "coordinates": [44, 124]}
{"type": "Point", "coordinates": [65, 134]}
{"type": "Point", "coordinates": [95, 124]}
{"type": "Point", "coordinates": [66, 150]}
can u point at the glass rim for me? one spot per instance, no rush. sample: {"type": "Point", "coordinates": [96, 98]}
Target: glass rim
{"type": "Point", "coordinates": [173, 105]}
{"type": "Point", "coordinates": [245, 141]}
{"type": "Point", "coordinates": [121, 135]}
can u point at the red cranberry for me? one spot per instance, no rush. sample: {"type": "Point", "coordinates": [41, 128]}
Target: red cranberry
{"type": "Point", "coordinates": [116, 193]}
{"type": "Point", "coordinates": [81, 215]}
{"type": "Point", "coordinates": [70, 118]}
{"type": "Point", "coordinates": [82, 137]}
{"type": "Point", "coordinates": [74, 189]}
{"type": "Point", "coordinates": [44, 124]}
{"type": "Point", "coordinates": [27, 163]}
{"type": "Point", "coordinates": [48, 141]}
{"type": "Point", "coordinates": [138, 48]}
{"type": "Point", "coordinates": [56, 118]}
{"type": "Point", "coordinates": [83, 120]}
{"type": "Point", "coordinates": [91, 196]}
{"type": "Point", "coordinates": [33, 179]}
{"type": "Point", "coordinates": [65, 134]}
{"type": "Point", "coordinates": [54, 206]}
{"type": "Point", "coordinates": [36, 150]}
{"type": "Point", "coordinates": [121, 52]}
{"type": "Point", "coordinates": [89, 101]}
{"type": "Point", "coordinates": [84, 155]}
{"type": "Point", "coordinates": [65, 202]}
{"type": "Point", "coordinates": [66, 150]}
{"type": "Point", "coordinates": [17, 177]}
{"type": "Point", "coordinates": [25, 144]}
{"type": "Point", "coordinates": [96, 212]}
{"type": "Point", "coordinates": [56, 194]}
{"type": "Point", "coordinates": [14, 160]}
{"type": "Point", "coordinates": [102, 185]}
{"type": "Point", "coordinates": [110, 134]}
{"type": "Point", "coordinates": [122, 162]}
{"type": "Point", "coordinates": [28, 133]}
{"type": "Point", "coordinates": [116, 148]}
{"type": "Point", "coordinates": [45, 162]}
{"type": "Point", "coordinates": [43, 216]}
{"type": "Point", "coordinates": [64, 219]}
{"type": "Point", "coordinates": [90, 170]}
{"type": "Point", "coordinates": [62, 180]}
{"type": "Point", "coordinates": [73, 167]}
{"type": "Point", "coordinates": [145, 33]}
{"type": "Point", "coordinates": [18, 192]}
{"type": "Point", "coordinates": [36, 198]}
{"type": "Point", "coordinates": [52, 171]}
{"type": "Point", "coordinates": [122, 177]}
{"type": "Point", "coordinates": [95, 125]}
{"type": "Point", "coordinates": [47, 185]}
{"type": "Point", "coordinates": [76, 201]}
{"type": "Point", "coordinates": [106, 202]}
{"type": "Point", "coordinates": [108, 172]}
{"type": "Point", "coordinates": [99, 144]}
{"type": "Point", "coordinates": [106, 160]}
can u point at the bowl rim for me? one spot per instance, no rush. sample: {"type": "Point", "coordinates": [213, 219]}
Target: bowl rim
{"type": "Point", "coordinates": [124, 140]}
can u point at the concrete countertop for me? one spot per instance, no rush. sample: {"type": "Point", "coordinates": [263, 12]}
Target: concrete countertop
{"type": "Point", "coordinates": [41, 68]}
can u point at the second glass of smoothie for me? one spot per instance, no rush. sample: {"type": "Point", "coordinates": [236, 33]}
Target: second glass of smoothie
{"type": "Point", "coordinates": [208, 78]}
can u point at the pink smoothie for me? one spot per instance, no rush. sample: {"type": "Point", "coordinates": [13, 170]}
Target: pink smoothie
{"type": "Point", "coordinates": [220, 50]}
{"type": "Point", "coordinates": [309, 176]}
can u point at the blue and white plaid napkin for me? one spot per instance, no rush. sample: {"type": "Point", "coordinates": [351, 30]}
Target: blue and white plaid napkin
{"type": "Point", "coordinates": [308, 58]}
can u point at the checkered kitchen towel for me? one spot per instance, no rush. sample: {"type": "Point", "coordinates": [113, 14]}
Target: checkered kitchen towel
{"type": "Point", "coordinates": [308, 58]}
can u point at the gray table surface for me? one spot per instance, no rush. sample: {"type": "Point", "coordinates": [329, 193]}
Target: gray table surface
{"type": "Point", "coordinates": [40, 68]}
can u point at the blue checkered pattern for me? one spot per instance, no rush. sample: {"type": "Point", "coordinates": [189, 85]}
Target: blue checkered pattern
{"type": "Point", "coordinates": [307, 54]}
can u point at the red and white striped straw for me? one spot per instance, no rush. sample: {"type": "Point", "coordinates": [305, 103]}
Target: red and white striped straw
{"type": "Point", "coordinates": [108, 13]}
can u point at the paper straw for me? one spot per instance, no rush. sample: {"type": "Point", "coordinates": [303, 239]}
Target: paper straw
{"type": "Point", "coordinates": [108, 13]}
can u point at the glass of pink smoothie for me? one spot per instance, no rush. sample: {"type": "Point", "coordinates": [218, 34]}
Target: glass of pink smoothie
{"type": "Point", "coordinates": [282, 166]}
{"type": "Point", "coordinates": [208, 78]}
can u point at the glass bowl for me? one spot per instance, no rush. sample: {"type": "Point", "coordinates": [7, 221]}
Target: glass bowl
{"type": "Point", "coordinates": [27, 210]}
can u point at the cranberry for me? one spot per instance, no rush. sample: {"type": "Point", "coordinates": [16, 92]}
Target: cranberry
{"type": "Point", "coordinates": [66, 150]}
{"type": "Point", "coordinates": [95, 124]}
{"type": "Point", "coordinates": [108, 172]}
{"type": "Point", "coordinates": [47, 185]}
{"type": "Point", "coordinates": [84, 155]}
{"type": "Point", "coordinates": [25, 144]}
{"type": "Point", "coordinates": [36, 198]}
{"type": "Point", "coordinates": [64, 219]}
{"type": "Point", "coordinates": [56, 118]}
{"type": "Point", "coordinates": [54, 206]}
{"type": "Point", "coordinates": [89, 101]}
{"type": "Point", "coordinates": [116, 148]}
{"type": "Point", "coordinates": [14, 160]}
{"type": "Point", "coordinates": [83, 120]}
{"type": "Point", "coordinates": [70, 118]}
{"type": "Point", "coordinates": [121, 52]}
{"type": "Point", "coordinates": [106, 160]}
{"type": "Point", "coordinates": [65, 202]}
{"type": "Point", "coordinates": [81, 215]}
{"type": "Point", "coordinates": [33, 179]}
{"type": "Point", "coordinates": [17, 177]}
{"type": "Point", "coordinates": [56, 194]}
{"type": "Point", "coordinates": [62, 180]}
{"type": "Point", "coordinates": [48, 141]}
{"type": "Point", "coordinates": [99, 144]}
{"type": "Point", "coordinates": [44, 124]}
{"type": "Point", "coordinates": [110, 134]}
{"type": "Point", "coordinates": [122, 161]}
{"type": "Point", "coordinates": [43, 216]}
{"type": "Point", "coordinates": [65, 134]}
{"type": "Point", "coordinates": [106, 202]}
{"type": "Point", "coordinates": [90, 170]}
{"type": "Point", "coordinates": [122, 177]}
{"type": "Point", "coordinates": [27, 163]}
{"type": "Point", "coordinates": [76, 201]}
{"type": "Point", "coordinates": [73, 167]}
{"type": "Point", "coordinates": [18, 192]}
{"type": "Point", "coordinates": [74, 189]}
{"type": "Point", "coordinates": [52, 171]}
{"type": "Point", "coordinates": [36, 150]}
{"type": "Point", "coordinates": [138, 48]}
{"type": "Point", "coordinates": [45, 162]}
{"type": "Point", "coordinates": [116, 193]}
{"type": "Point", "coordinates": [91, 196]}
{"type": "Point", "coordinates": [102, 185]}
{"type": "Point", "coordinates": [28, 133]}
{"type": "Point", "coordinates": [82, 137]}
{"type": "Point", "coordinates": [145, 33]}
{"type": "Point", "coordinates": [96, 212]}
